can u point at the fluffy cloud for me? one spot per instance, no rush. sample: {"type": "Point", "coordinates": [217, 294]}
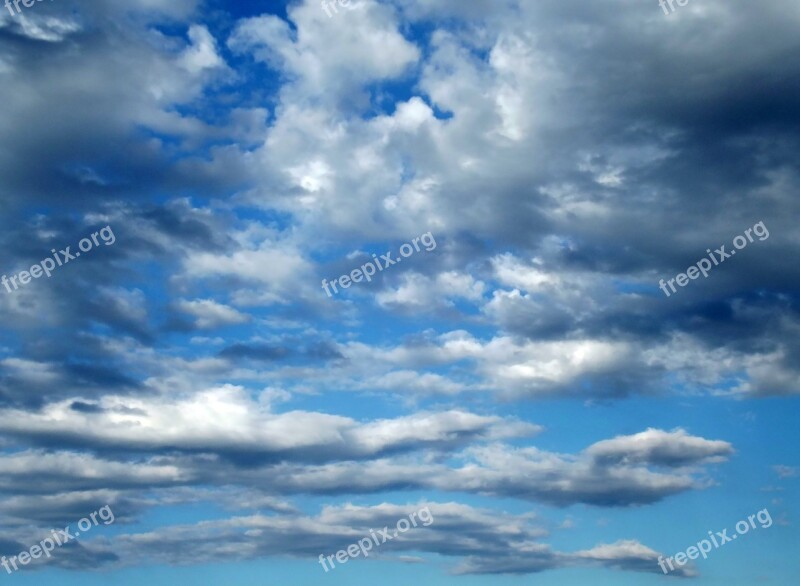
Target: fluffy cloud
{"type": "Point", "coordinates": [209, 314]}
{"type": "Point", "coordinates": [227, 420]}
{"type": "Point", "coordinates": [565, 159]}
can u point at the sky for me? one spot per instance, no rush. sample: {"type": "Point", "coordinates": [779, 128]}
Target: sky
{"type": "Point", "coordinates": [279, 275]}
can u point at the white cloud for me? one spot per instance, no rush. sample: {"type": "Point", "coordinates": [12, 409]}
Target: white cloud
{"type": "Point", "coordinates": [202, 53]}
{"type": "Point", "coordinates": [210, 314]}
{"type": "Point", "coordinates": [226, 419]}
{"type": "Point", "coordinates": [420, 292]}
{"type": "Point", "coordinates": [365, 46]}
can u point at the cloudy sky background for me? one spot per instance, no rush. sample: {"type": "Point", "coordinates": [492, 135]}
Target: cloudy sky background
{"type": "Point", "coordinates": [564, 421]}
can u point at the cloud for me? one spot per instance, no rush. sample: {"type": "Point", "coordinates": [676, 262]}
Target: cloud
{"type": "Point", "coordinates": [456, 531]}
{"type": "Point", "coordinates": [209, 314]}
{"type": "Point", "coordinates": [654, 446]}
{"type": "Point", "coordinates": [632, 556]}
{"type": "Point", "coordinates": [202, 54]}
{"type": "Point", "coordinates": [566, 161]}
{"type": "Point", "coordinates": [316, 55]}
{"type": "Point", "coordinates": [786, 471]}
{"type": "Point", "coordinates": [420, 293]}
{"type": "Point", "coordinates": [225, 420]}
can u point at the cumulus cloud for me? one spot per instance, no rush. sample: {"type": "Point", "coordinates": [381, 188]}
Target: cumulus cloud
{"type": "Point", "coordinates": [317, 55]}
{"type": "Point", "coordinates": [226, 420]}
{"type": "Point", "coordinates": [209, 314]}
{"type": "Point", "coordinates": [566, 160]}
{"type": "Point", "coordinates": [659, 447]}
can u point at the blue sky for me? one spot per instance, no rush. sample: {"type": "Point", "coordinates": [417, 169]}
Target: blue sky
{"type": "Point", "coordinates": [522, 373]}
